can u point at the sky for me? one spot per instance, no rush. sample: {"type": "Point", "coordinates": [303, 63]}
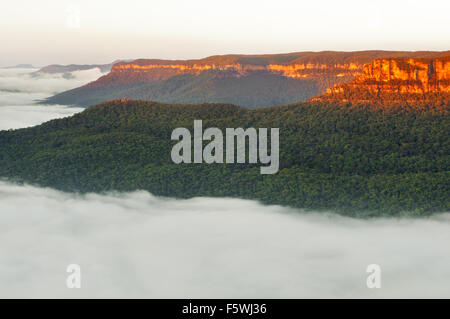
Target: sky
{"type": "Point", "coordinates": [54, 31]}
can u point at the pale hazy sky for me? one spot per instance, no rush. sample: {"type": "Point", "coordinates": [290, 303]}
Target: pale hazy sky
{"type": "Point", "coordinates": [47, 31]}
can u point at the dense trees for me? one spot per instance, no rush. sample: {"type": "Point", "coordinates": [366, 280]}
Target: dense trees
{"type": "Point", "coordinates": [357, 160]}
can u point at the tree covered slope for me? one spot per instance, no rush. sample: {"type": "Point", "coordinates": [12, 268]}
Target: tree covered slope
{"type": "Point", "coordinates": [357, 160]}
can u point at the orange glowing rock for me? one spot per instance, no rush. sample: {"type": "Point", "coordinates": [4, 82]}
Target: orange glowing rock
{"type": "Point", "coordinates": [405, 80]}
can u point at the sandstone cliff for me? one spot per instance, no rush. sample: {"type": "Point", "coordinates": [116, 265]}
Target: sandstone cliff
{"type": "Point", "coordinates": [406, 80]}
{"type": "Point", "coordinates": [328, 68]}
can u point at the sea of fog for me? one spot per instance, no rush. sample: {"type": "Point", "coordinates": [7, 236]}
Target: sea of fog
{"type": "Point", "coordinates": [138, 245]}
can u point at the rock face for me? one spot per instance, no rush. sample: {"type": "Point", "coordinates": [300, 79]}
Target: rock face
{"type": "Point", "coordinates": [407, 80]}
{"type": "Point", "coordinates": [408, 75]}
{"type": "Point", "coordinates": [160, 70]}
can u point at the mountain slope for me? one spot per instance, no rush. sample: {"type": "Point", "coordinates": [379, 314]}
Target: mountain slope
{"type": "Point", "coordinates": [254, 90]}
{"type": "Point", "coordinates": [247, 80]}
{"type": "Point", "coordinates": [356, 160]}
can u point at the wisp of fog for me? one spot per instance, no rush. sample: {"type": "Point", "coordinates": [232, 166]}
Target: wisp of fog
{"type": "Point", "coordinates": [21, 88]}
{"type": "Point", "coordinates": [139, 245]}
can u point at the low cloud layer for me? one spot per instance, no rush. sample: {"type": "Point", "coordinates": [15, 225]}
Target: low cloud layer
{"type": "Point", "coordinates": [20, 89]}
{"type": "Point", "coordinates": [19, 116]}
{"type": "Point", "coordinates": [138, 245]}
{"type": "Point", "coordinates": [26, 81]}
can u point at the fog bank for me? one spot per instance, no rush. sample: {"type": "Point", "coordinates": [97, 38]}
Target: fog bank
{"type": "Point", "coordinates": [21, 88]}
{"type": "Point", "coordinates": [138, 245]}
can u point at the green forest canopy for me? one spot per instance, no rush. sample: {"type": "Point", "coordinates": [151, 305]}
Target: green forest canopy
{"type": "Point", "coordinates": [357, 160]}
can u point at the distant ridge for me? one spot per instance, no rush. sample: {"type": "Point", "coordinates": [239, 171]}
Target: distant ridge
{"type": "Point", "coordinates": [247, 80]}
{"type": "Point", "coordinates": [19, 66]}
{"type": "Point", "coordinates": [66, 69]}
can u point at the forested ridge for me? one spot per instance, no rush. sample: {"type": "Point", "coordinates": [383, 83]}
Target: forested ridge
{"type": "Point", "coordinates": [353, 159]}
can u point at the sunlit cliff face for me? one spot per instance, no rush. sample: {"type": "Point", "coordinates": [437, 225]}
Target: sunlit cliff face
{"type": "Point", "coordinates": [411, 75]}
{"type": "Point", "coordinates": [312, 69]}
{"type": "Point", "coordinates": [130, 72]}
{"type": "Point", "coordinates": [289, 70]}
{"type": "Point", "coordinates": [396, 77]}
